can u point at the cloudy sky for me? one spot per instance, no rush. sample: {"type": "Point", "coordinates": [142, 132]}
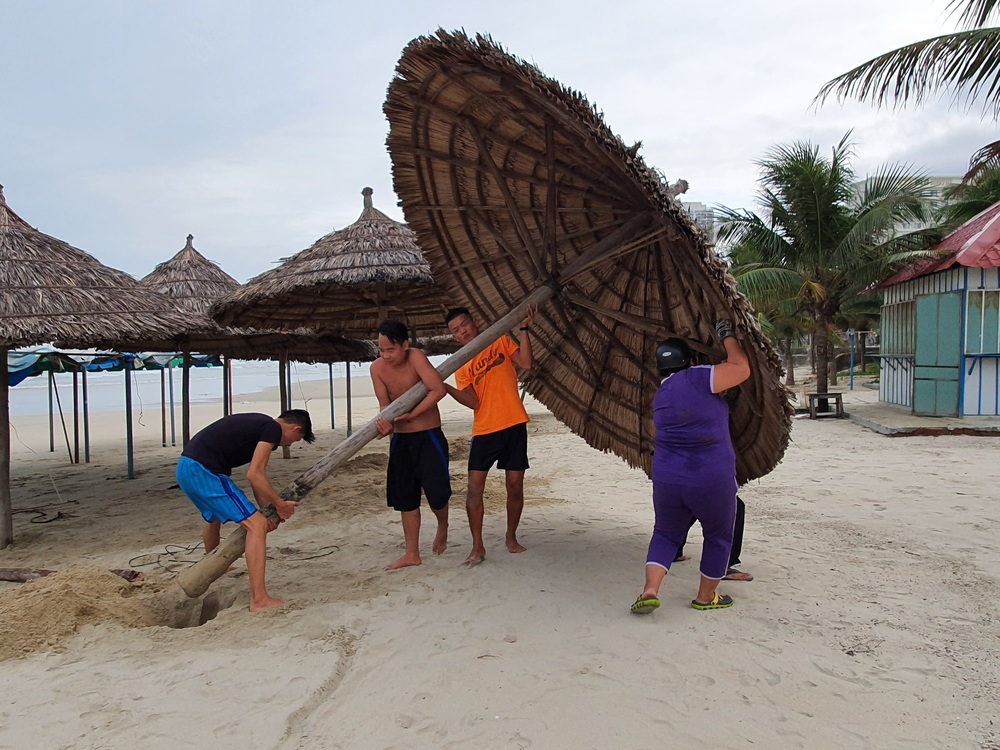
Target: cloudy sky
{"type": "Point", "coordinates": [254, 125]}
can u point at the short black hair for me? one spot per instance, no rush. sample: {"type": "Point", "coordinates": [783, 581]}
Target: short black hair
{"type": "Point", "coordinates": [302, 419]}
{"type": "Point", "coordinates": [456, 312]}
{"type": "Point", "coordinates": [395, 331]}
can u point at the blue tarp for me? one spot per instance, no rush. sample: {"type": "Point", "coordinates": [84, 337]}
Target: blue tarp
{"type": "Point", "coordinates": [28, 363]}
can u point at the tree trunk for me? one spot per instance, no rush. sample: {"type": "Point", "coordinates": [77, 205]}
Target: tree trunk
{"type": "Point", "coordinates": [822, 362]}
{"type": "Point", "coordinates": [195, 580]}
{"type": "Point", "coordinates": [789, 363]}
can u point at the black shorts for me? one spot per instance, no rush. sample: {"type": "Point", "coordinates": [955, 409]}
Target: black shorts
{"type": "Point", "coordinates": [508, 448]}
{"type": "Point", "coordinates": [418, 461]}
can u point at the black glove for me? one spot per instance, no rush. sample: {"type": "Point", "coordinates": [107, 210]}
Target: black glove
{"type": "Point", "coordinates": [724, 329]}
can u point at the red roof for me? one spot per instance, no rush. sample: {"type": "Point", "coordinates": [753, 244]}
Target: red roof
{"type": "Point", "coordinates": [975, 244]}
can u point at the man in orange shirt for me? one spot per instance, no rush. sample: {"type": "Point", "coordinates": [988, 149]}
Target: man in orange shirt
{"type": "Point", "coordinates": [488, 384]}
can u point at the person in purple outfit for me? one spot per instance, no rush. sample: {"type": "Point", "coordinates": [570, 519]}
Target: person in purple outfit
{"type": "Point", "coordinates": [694, 466]}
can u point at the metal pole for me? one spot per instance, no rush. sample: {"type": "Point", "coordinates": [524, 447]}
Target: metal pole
{"type": "Point", "coordinates": [163, 407]}
{"type": "Point", "coordinates": [76, 417]}
{"type": "Point", "coordinates": [333, 416]}
{"type": "Point", "coordinates": [350, 427]}
{"type": "Point", "coordinates": [170, 381]}
{"type": "Point", "coordinates": [52, 421]}
{"type": "Point", "coordinates": [86, 420]}
{"type": "Point", "coordinates": [225, 387]}
{"type": "Point", "coordinates": [128, 416]}
{"type": "Point", "coordinates": [850, 335]}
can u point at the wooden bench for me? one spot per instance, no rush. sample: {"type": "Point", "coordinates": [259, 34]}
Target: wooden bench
{"type": "Point", "coordinates": [815, 398]}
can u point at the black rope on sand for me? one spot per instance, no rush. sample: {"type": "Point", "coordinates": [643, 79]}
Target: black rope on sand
{"type": "Point", "coordinates": [171, 551]}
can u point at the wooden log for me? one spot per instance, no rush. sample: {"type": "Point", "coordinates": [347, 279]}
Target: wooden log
{"type": "Point", "coordinates": [195, 580]}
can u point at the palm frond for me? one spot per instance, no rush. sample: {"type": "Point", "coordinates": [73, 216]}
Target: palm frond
{"type": "Point", "coordinates": [976, 13]}
{"type": "Point", "coordinates": [986, 159]}
{"type": "Point", "coordinates": [968, 62]}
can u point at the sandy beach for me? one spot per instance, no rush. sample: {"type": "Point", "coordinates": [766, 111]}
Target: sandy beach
{"type": "Point", "coordinates": [872, 622]}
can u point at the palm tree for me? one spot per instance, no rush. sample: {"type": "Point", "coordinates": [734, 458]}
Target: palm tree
{"type": "Point", "coordinates": [824, 238]}
{"type": "Point", "coordinates": [966, 62]}
{"type": "Point", "coordinates": [970, 197]}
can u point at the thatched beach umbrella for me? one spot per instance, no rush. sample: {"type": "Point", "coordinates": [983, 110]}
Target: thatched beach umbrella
{"type": "Point", "coordinates": [345, 284]}
{"type": "Point", "coordinates": [516, 187]}
{"type": "Point", "coordinates": [194, 284]}
{"type": "Point", "coordinates": [52, 291]}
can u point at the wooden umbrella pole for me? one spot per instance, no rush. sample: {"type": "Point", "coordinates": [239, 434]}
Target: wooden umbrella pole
{"type": "Point", "coordinates": [194, 581]}
{"type": "Point", "coordinates": [6, 507]}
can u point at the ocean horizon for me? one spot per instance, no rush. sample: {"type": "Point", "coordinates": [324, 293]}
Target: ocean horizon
{"type": "Point", "coordinates": [106, 390]}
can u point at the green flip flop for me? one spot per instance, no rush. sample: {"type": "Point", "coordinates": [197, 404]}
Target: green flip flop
{"type": "Point", "coordinates": [718, 602]}
{"type": "Point", "coordinates": [643, 606]}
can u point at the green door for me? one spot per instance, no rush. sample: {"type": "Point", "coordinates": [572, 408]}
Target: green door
{"type": "Point", "coordinates": [936, 360]}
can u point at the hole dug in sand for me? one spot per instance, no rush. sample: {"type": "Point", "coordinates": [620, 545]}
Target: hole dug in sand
{"type": "Point", "coordinates": [42, 614]}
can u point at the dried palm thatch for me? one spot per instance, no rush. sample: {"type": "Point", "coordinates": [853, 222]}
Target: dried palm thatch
{"type": "Point", "coordinates": [513, 183]}
{"type": "Point", "coordinates": [345, 284]}
{"type": "Point", "coordinates": [191, 280]}
{"type": "Point", "coordinates": [51, 291]}
{"type": "Point", "coordinates": [193, 283]}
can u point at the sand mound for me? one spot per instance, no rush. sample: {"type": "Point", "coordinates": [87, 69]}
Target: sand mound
{"type": "Point", "coordinates": [42, 614]}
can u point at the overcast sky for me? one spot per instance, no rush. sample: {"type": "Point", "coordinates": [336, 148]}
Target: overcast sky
{"type": "Point", "coordinates": [125, 126]}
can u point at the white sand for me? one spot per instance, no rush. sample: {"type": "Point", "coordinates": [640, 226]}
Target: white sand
{"type": "Point", "coordinates": [872, 622]}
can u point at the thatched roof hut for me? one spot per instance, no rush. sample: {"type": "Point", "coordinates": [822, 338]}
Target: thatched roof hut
{"type": "Point", "coordinates": [513, 183]}
{"type": "Point", "coordinates": [345, 284]}
{"type": "Point", "coordinates": [52, 291]}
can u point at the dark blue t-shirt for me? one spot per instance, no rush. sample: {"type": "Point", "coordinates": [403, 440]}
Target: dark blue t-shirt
{"type": "Point", "coordinates": [231, 441]}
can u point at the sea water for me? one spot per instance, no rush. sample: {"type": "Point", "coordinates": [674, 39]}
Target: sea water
{"type": "Point", "coordinates": [106, 390]}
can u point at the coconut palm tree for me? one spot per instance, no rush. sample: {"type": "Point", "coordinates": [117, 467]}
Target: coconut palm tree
{"type": "Point", "coordinates": [966, 62]}
{"type": "Point", "coordinates": [970, 197]}
{"type": "Point", "coordinates": [824, 237]}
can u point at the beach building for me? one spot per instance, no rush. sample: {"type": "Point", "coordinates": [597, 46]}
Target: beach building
{"type": "Point", "coordinates": [940, 344]}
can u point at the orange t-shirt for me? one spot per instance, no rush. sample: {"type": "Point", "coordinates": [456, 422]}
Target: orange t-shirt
{"type": "Point", "coordinates": [493, 377]}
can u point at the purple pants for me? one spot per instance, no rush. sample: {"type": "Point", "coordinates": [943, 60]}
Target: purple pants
{"type": "Point", "coordinates": [677, 506]}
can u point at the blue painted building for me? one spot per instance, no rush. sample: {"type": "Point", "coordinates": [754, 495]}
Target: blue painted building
{"type": "Point", "coordinates": [940, 342]}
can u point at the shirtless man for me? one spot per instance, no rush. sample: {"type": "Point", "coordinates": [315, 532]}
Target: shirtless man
{"type": "Point", "coordinates": [418, 451]}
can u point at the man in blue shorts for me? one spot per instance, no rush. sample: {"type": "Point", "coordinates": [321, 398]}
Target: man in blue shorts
{"type": "Point", "coordinates": [418, 450]}
{"type": "Point", "coordinates": [488, 384]}
{"type": "Point", "coordinates": [204, 473]}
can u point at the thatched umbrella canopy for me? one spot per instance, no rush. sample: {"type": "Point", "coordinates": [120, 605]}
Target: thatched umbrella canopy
{"type": "Point", "coordinates": [52, 291]}
{"type": "Point", "coordinates": [515, 187]}
{"type": "Point", "coordinates": [345, 284]}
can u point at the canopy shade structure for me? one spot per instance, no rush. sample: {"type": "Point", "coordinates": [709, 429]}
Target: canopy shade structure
{"type": "Point", "coordinates": [52, 291]}
{"type": "Point", "coordinates": [345, 284]}
{"type": "Point", "coordinates": [514, 184]}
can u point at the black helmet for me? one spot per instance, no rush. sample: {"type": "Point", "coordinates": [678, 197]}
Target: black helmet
{"type": "Point", "coordinates": [672, 355]}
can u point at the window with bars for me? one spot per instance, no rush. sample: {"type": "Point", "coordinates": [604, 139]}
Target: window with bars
{"type": "Point", "coordinates": [982, 328]}
{"type": "Point", "coordinates": [899, 324]}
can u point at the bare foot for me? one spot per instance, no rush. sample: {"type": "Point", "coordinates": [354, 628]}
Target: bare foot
{"type": "Point", "coordinates": [440, 540]}
{"type": "Point", "coordinates": [513, 546]}
{"type": "Point", "coordinates": [681, 558]}
{"type": "Point", "coordinates": [404, 562]}
{"type": "Point", "coordinates": [475, 557]}
{"type": "Point", "coordinates": [268, 602]}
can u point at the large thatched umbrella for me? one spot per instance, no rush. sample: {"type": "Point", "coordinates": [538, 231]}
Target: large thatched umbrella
{"type": "Point", "coordinates": [345, 284]}
{"type": "Point", "coordinates": [52, 291]}
{"type": "Point", "coordinates": [514, 186]}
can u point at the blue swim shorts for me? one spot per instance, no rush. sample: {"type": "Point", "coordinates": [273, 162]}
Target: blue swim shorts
{"type": "Point", "coordinates": [215, 495]}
